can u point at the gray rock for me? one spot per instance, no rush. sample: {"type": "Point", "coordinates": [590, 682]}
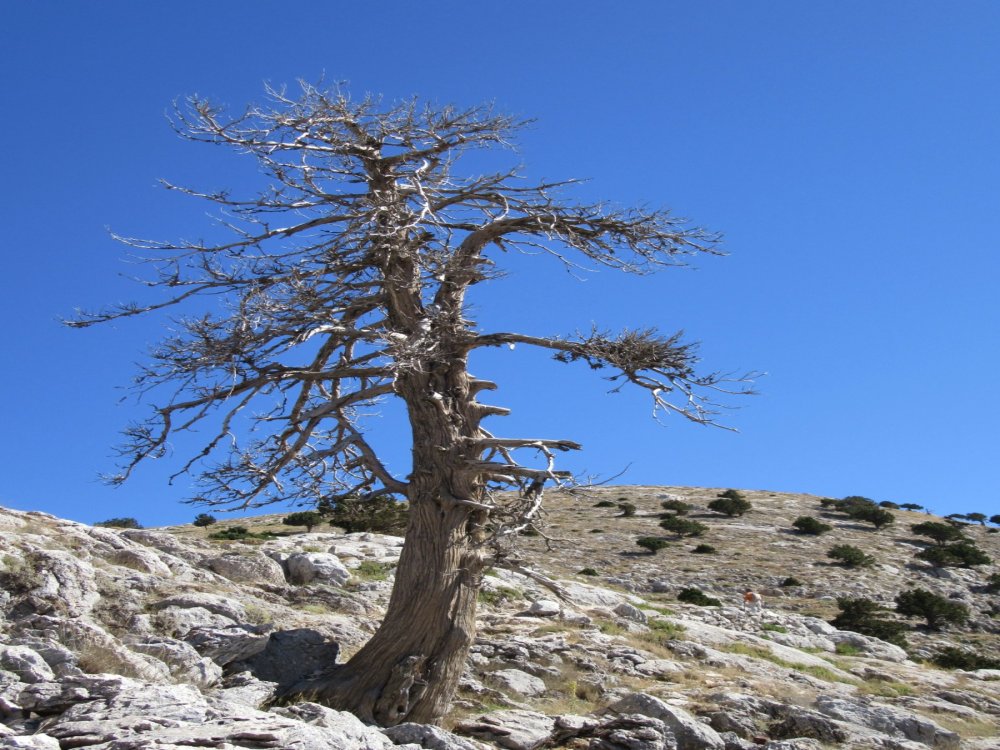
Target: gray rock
{"type": "Point", "coordinates": [27, 664]}
{"type": "Point", "coordinates": [254, 568]}
{"type": "Point", "coordinates": [691, 734]}
{"type": "Point", "coordinates": [225, 606]}
{"type": "Point", "coordinates": [183, 661]}
{"type": "Point", "coordinates": [320, 567]}
{"type": "Point", "coordinates": [544, 608]}
{"type": "Point", "coordinates": [141, 559]}
{"type": "Point", "coordinates": [60, 659]}
{"type": "Point", "coordinates": [291, 656]}
{"type": "Point", "coordinates": [243, 689]}
{"type": "Point", "coordinates": [888, 720]}
{"type": "Point", "coordinates": [428, 737]}
{"type": "Point", "coordinates": [343, 729]}
{"type": "Point", "coordinates": [516, 681]}
{"type": "Point", "coordinates": [29, 742]}
{"type": "Point", "coordinates": [873, 647]}
{"type": "Point", "coordinates": [179, 621]}
{"type": "Point", "coordinates": [229, 644]}
{"type": "Point", "coordinates": [630, 612]}
{"type": "Point", "coordinates": [515, 729]}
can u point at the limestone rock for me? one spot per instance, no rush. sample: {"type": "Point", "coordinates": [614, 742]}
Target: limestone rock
{"type": "Point", "coordinates": [27, 664]}
{"type": "Point", "coordinates": [254, 568]}
{"type": "Point", "coordinates": [320, 567]}
{"type": "Point", "coordinates": [217, 604]}
{"type": "Point", "coordinates": [544, 608]}
{"type": "Point", "coordinates": [228, 644]}
{"type": "Point", "coordinates": [691, 734]}
{"type": "Point", "coordinates": [516, 681]}
{"type": "Point", "coordinates": [888, 720]}
{"type": "Point", "coordinates": [184, 662]}
{"type": "Point", "coordinates": [429, 737]}
{"type": "Point", "coordinates": [516, 729]}
{"type": "Point", "coordinates": [291, 656]}
{"type": "Point", "coordinates": [142, 560]}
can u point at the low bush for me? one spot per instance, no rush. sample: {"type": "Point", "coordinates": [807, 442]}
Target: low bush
{"type": "Point", "coordinates": [692, 595]}
{"type": "Point", "coordinates": [791, 581]}
{"type": "Point", "coordinates": [704, 549]}
{"type": "Point", "coordinates": [951, 657]}
{"type": "Point", "coordinates": [811, 525]}
{"type": "Point", "coordinates": [911, 506]}
{"type": "Point", "coordinates": [730, 506]}
{"type": "Point", "coordinates": [587, 572]}
{"type": "Point", "coordinates": [381, 515]}
{"type": "Point", "coordinates": [683, 526]}
{"type": "Point", "coordinates": [604, 504]}
{"type": "Point", "coordinates": [204, 519]}
{"type": "Point", "coordinates": [652, 544]}
{"type": "Point", "coordinates": [936, 610]}
{"type": "Point", "coordinates": [940, 533]}
{"type": "Point", "coordinates": [957, 555]}
{"type": "Point", "coordinates": [627, 509]}
{"type": "Point", "coordinates": [237, 533]}
{"type": "Point", "coordinates": [850, 556]}
{"type": "Point", "coordinates": [307, 518]}
{"type": "Point", "coordinates": [678, 506]}
{"type": "Point", "coordinates": [888, 504]}
{"type": "Point", "coordinates": [120, 523]}
{"type": "Point", "coordinates": [861, 615]}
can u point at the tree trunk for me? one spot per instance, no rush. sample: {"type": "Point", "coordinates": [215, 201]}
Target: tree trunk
{"type": "Point", "coordinates": [410, 668]}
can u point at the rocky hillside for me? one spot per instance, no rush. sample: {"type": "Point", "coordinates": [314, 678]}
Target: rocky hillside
{"type": "Point", "coordinates": [127, 639]}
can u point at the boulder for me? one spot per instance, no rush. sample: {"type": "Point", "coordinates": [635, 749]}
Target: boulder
{"type": "Point", "coordinates": [254, 568]}
{"type": "Point", "coordinates": [27, 664]}
{"type": "Point", "coordinates": [630, 612]}
{"type": "Point", "coordinates": [544, 608]}
{"type": "Point", "coordinates": [516, 729]}
{"type": "Point", "coordinates": [217, 604]}
{"type": "Point", "coordinates": [141, 559]}
{"type": "Point", "coordinates": [889, 720]}
{"type": "Point", "coordinates": [428, 737]}
{"type": "Point", "coordinates": [291, 656]}
{"type": "Point", "coordinates": [691, 734]}
{"type": "Point", "coordinates": [229, 644]}
{"type": "Point", "coordinates": [184, 662]}
{"type": "Point", "coordinates": [319, 567]}
{"type": "Point", "coordinates": [516, 681]}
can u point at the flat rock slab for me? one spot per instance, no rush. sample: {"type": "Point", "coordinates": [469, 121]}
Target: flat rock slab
{"type": "Point", "coordinates": [514, 730]}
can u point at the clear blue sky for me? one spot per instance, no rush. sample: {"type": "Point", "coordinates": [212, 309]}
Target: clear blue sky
{"type": "Point", "coordinates": [849, 151]}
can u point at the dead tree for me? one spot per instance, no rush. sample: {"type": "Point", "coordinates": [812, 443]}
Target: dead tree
{"type": "Point", "coordinates": [343, 283]}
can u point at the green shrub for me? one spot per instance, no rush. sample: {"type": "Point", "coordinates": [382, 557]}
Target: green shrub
{"type": "Point", "coordinates": [604, 504]}
{"type": "Point", "coordinates": [235, 533]}
{"type": "Point", "coordinates": [993, 583]}
{"type": "Point", "coordinates": [652, 543]}
{"type": "Point", "coordinates": [381, 515]}
{"type": "Point", "coordinates": [995, 519]}
{"type": "Point", "coordinates": [911, 506]}
{"type": "Point", "coordinates": [372, 570]}
{"type": "Point", "coordinates": [204, 519]}
{"type": "Point", "coordinates": [850, 557]}
{"type": "Point", "coordinates": [587, 572]}
{"type": "Point", "coordinates": [497, 596]}
{"type": "Point", "coordinates": [861, 615]}
{"type": "Point", "coordinates": [811, 525]}
{"type": "Point", "coordinates": [791, 581]}
{"type": "Point", "coordinates": [683, 526]}
{"type": "Point", "coordinates": [692, 595]}
{"type": "Point", "coordinates": [957, 555]}
{"type": "Point", "coordinates": [979, 518]}
{"type": "Point", "coordinates": [120, 523]}
{"type": "Point", "coordinates": [627, 509]}
{"type": "Point", "coordinates": [731, 495]}
{"type": "Point", "coordinates": [941, 533]}
{"type": "Point", "coordinates": [678, 506]}
{"type": "Point", "coordinates": [828, 502]}
{"type": "Point", "coordinates": [771, 627]}
{"type": "Point", "coordinates": [936, 610]}
{"type": "Point", "coordinates": [951, 657]}
{"type": "Point", "coordinates": [704, 549]}
{"type": "Point", "coordinates": [878, 517]}
{"type": "Point", "coordinates": [730, 506]}
{"type": "Point", "coordinates": [888, 504]}
{"type": "Point", "coordinates": [307, 518]}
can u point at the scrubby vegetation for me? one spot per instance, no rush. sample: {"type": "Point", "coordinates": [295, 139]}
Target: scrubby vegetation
{"type": "Point", "coordinates": [958, 555]}
{"type": "Point", "coordinates": [936, 610]}
{"type": "Point", "coordinates": [692, 595]}
{"type": "Point", "coordinates": [307, 518]}
{"type": "Point", "coordinates": [811, 525]}
{"type": "Point", "coordinates": [850, 556]}
{"type": "Point", "coordinates": [652, 544]}
{"type": "Point", "coordinates": [730, 503]}
{"type": "Point", "coordinates": [677, 506]}
{"type": "Point", "coordinates": [683, 526]}
{"type": "Point", "coordinates": [865, 616]}
{"type": "Point", "coordinates": [378, 514]}
{"type": "Point", "coordinates": [204, 519]}
{"type": "Point", "coordinates": [120, 523]}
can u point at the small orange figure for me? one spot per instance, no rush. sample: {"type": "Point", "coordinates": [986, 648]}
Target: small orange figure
{"type": "Point", "coordinates": [752, 600]}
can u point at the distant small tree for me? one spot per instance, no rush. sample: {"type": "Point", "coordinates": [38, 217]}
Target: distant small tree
{"type": "Point", "coordinates": [652, 543]}
{"type": "Point", "coordinates": [678, 506]}
{"type": "Point", "coordinates": [850, 556]}
{"type": "Point", "coordinates": [963, 554]}
{"type": "Point", "coordinates": [790, 581]}
{"type": "Point", "coordinates": [604, 504]}
{"type": "Point", "coordinates": [811, 525]}
{"type": "Point", "coordinates": [382, 515]}
{"type": "Point", "coordinates": [995, 519]}
{"type": "Point", "coordinates": [951, 657]}
{"type": "Point", "coordinates": [851, 502]}
{"type": "Point", "coordinates": [828, 502]}
{"type": "Point", "coordinates": [730, 506]}
{"type": "Point", "coordinates": [889, 504]}
{"type": "Point", "coordinates": [911, 506]}
{"type": "Point", "coordinates": [120, 523]}
{"type": "Point", "coordinates": [941, 533]}
{"type": "Point", "coordinates": [732, 495]}
{"type": "Point", "coordinates": [683, 526]}
{"type": "Point", "coordinates": [704, 549]}
{"type": "Point", "coordinates": [979, 518]}
{"type": "Point", "coordinates": [307, 518]}
{"type": "Point", "coordinates": [860, 615]}
{"type": "Point", "coordinates": [936, 610]}
{"type": "Point", "coordinates": [627, 509]}
{"type": "Point", "coordinates": [878, 517]}
{"type": "Point", "coordinates": [204, 519]}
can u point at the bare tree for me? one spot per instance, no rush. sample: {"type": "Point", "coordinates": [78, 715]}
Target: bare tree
{"type": "Point", "coordinates": [343, 283]}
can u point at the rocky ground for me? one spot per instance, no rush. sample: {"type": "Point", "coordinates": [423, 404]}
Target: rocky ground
{"type": "Point", "coordinates": [133, 639]}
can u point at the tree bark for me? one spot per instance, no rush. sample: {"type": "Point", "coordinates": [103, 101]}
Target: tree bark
{"type": "Point", "coordinates": [410, 668]}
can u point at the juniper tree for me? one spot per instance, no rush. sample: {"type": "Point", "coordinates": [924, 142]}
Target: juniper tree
{"type": "Point", "coordinates": [343, 282]}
